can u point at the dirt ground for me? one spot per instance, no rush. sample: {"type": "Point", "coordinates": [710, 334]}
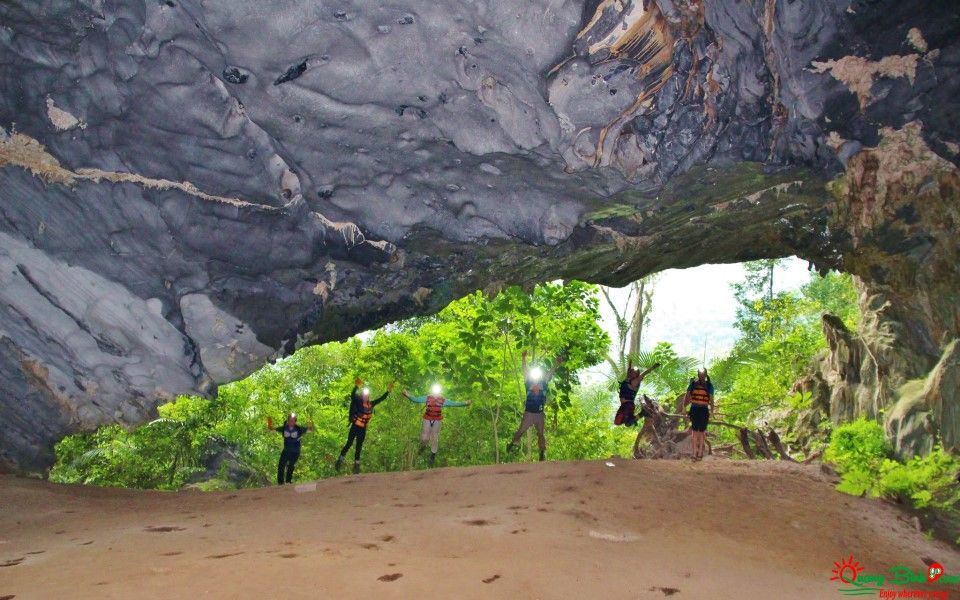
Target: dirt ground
{"type": "Point", "coordinates": [638, 529]}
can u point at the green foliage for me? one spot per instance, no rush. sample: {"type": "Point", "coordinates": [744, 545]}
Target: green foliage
{"type": "Point", "coordinates": [780, 333]}
{"type": "Point", "coordinates": [472, 348]}
{"type": "Point", "coordinates": [864, 461]}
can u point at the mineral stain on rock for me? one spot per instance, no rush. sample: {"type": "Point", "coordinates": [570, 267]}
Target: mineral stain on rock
{"type": "Point", "coordinates": [235, 75]}
{"type": "Point", "coordinates": [292, 73]}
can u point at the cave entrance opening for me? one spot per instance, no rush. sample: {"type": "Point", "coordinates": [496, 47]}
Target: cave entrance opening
{"type": "Point", "coordinates": [760, 322]}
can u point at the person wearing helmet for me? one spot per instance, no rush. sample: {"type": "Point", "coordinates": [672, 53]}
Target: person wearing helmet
{"type": "Point", "coordinates": [626, 414]}
{"type": "Point", "coordinates": [361, 410]}
{"type": "Point", "coordinates": [535, 382]}
{"type": "Point", "coordinates": [292, 433]}
{"type": "Point", "coordinates": [432, 417]}
{"type": "Point", "coordinates": [700, 398]}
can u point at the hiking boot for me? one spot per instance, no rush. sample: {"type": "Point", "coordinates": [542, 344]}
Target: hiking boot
{"type": "Point", "coordinates": [433, 459]}
{"type": "Point", "coordinates": [339, 464]}
{"type": "Point", "coordinates": [542, 457]}
{"type": "Point", "coordinates": [356, 467]}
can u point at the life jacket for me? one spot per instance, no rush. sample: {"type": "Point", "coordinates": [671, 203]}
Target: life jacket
{"type": "Point", "coordinates": [434, 411]}
{"type": "Point", "coordinates": [366, 411]}
{"type": "Point", "coordinates": [699, 394]}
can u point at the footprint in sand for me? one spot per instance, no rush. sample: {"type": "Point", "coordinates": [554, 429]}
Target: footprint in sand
{"type": "Point", "coordinates": [175, 553]}
{"type": "Point", "coordinates": [8, 597]}
{"type": "Point", "coordinates": [12, 562]}
{"type": "Point", "coordinates": [390, 577]}
{"type": "Point", "coordinates": [37, 552]}
{"type": "Point", "coordinates": [387, 538]}
{"type": "Point", "coordinates": [370, 546]}
{"type": "Point", "coordinates": [517, 507]}
{"type": "Point", "coordinates": [491, 579]}
{"type": "Point", "coordinates": [225, 555]}
{"type": "Point", "coordinates": [289, 555]}
{"type": "Point", "coordinates": [667, 591]}
{"type": "Point", "coordinates": [478, 522]}
{"type": "Point", "coordinates": [163, 528]}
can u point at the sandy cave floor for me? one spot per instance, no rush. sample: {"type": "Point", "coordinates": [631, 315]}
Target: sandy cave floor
{"type": "Point", "coordinates": [640, 529]}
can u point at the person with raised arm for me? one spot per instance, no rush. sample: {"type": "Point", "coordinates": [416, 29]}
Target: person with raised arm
{"type": "Point", "coordinates": [292, 433]}
{"type": "Point", "coordinates": [535, 381]}
{"type": "Point", "coordinates": [700, 398]}
{"type": "Point", "coordinates": [361, 410]}
{"type": "Point", "coordinates": [432, 417]}
{"type": "Point", "coordinates": [626, 414]}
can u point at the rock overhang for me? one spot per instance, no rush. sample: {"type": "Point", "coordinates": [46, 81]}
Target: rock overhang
{"type": "Point", "coordinates": [385, 160]}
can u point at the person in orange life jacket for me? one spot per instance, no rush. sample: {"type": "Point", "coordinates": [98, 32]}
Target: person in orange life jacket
{"type": "Point", "coordinates": [291, 446]}
{"type": "Point", "coordinates": [361, 409]}
{"type": "Point", "coordinates": [700, 398]}
{"type": "Point", "coordinates": [535, 382]}
{"type": "Point", "coordinates": [432, 417]}
{"type": "Point", "coordinates": [628, 396]}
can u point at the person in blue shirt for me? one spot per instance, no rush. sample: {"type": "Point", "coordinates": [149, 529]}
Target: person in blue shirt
{"type": "Point", "coordinates": [535, 382]}
{"type": "Point", "coordinates": [292, 433]}
{"type": "Point", "coordinates": [432, 417]}
{"type": "Point", "coordinates": [700, 398]}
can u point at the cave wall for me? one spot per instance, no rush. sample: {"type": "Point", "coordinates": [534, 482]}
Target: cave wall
{"type": "Point", "coordinates": [191, 189]}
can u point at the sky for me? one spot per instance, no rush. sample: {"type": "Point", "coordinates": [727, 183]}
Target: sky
{"type": "Point", "coordinates": [693, 307]}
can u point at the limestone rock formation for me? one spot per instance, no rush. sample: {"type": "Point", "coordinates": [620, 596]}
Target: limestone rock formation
{"type": "Point", "coordinates": [191, 188]}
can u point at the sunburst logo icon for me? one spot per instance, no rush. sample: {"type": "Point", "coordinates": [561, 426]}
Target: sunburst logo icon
{"type": "Point", "coordinates": [846, 570]}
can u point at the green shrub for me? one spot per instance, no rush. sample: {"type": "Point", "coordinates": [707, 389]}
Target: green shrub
{"type": "Point", "coordinates": [866, 465]}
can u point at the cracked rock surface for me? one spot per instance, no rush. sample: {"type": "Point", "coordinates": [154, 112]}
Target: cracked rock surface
{"type": "Point", "coordinates": [191, 189]}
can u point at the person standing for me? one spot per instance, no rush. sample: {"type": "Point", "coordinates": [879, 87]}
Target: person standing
{"type": "Point", "coordinates": [535, 381]}
{"type": "Point", "coordinates": [292, 433]}
{"type": "Point", "coordinates": [432, 417]}
{"type": "Point", "coordinates": [626, 414]}
{"type": "Point", "coordinates": [700, 398]}
{"type": "Point", "coordinates": [361, 410]}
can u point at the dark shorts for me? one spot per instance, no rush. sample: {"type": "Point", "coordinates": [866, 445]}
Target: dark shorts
{"type": "Point", "coordinates": [699, 416]}
{"type": "Point", "coordinates": [625, 415]}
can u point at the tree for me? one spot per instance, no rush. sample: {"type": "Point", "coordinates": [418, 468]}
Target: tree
{"type": "Point", "coordinates": [631, 317]}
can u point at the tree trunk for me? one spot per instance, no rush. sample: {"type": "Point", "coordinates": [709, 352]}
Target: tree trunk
{"type": "Point", "coordinates": [745, 442]}
{"type": "Point", "coordinates": [778, 444]}
{"type": "Point", "coordinates": [762, 446]}
{"type": "Point", "coordinates": [641, 313]}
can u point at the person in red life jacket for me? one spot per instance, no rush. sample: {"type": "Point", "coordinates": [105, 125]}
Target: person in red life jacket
{"type": "Point", "coordinates": [361, 409]}
{"type": "Point", "coordinates": [292, 433]}
{"type": "Point", "coordinates": [535, 381]}
{"type": "Point", "coordinates": [626, 414]}
{"type": "Point", "coordinates": [432, 417]}
{"type": "Point", "coordinates": [700, 398]}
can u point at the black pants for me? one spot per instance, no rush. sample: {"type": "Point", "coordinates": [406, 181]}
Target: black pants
{"type": "Point", "coordinates": [288, 459]}
{"type": "Point", "coordinates": [358, 434]}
